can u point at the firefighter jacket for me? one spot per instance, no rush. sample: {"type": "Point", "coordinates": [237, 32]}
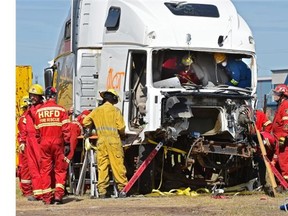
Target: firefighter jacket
{"type": "Point", "coordinates": [107, 119]}
{"type": "Point", "coordinates": [280, 130]}
{"type": "Point", "coordinates": [76, 129]}
{"type": "Point", "coordinates": [30, 118]}
{"type": "Point", "coordinates": [262, 122]}
{"type": "Point", "coordinates": [22, 133]}
{"type": "Point", "coordinates": [280, 122]}
{"type": "Point", "coordinates": [52, 121]}
{"type": "Point", "coordinates": [79, 120]}
{"type": "Point", "coordinates": [239, 72]}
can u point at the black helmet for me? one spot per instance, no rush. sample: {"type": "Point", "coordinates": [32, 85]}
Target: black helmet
{"type": "Point", "coordinates": [50, 92]}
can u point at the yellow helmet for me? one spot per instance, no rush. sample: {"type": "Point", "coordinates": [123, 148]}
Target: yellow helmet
{"type": "Point", "coordinates": [25, 102]}
{"type": "Point", "coordinates": [112, 91]}
{"type": "Point", "coordinates": [187, 60]}
{"type": "Point", "coordinates": [219, 57]}
{"type": "Point", "coordinates": [36, 89]}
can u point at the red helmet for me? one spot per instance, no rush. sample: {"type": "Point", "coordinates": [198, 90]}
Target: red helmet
{"type": "Point", "coordinates": [50, 92]}
{"type": "Point", "coordinates": [281, 89]}
{"type": "Point", "coordinates": [82, 115]}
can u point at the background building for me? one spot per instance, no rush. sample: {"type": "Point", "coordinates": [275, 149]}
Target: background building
{"type": "Point", "coordinates": [264, 90]}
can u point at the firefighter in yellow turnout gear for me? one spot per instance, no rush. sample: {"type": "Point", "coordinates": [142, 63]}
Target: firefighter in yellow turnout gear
{"type": "Point", "coordinates": [110, 126]}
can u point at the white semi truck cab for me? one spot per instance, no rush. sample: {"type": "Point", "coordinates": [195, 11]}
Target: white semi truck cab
{"type": "Point", "coordinates": [136, 47]}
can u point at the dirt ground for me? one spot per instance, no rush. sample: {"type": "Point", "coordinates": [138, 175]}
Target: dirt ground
{"type": "Point", "coordinates": [203, 204]}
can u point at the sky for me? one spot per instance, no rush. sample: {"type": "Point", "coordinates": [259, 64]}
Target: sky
{"type": "Point", "coordinates": [38, 23]}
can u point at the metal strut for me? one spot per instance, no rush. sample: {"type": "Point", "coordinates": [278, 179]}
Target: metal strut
{"type": "Point", "coordinates": [81, 180]}
{"type": "Point", "coordinates": [93, 175]}
{"type": "Point", "coordinates": [88, 164]}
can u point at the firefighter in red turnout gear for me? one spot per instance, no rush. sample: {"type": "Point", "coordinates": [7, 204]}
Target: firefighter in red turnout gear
{"type": "Point", "coordinates": [185, 69]}
{"type": "Point", "coordinates": [264, 125]}
{"type": "Point", "coordinates": [52, 122]}
{"type": "Point", "coordinates": [76, 127]}
{"type": "Point", "coordinates": [280, 127]}
{"type": "Point", "coordinates": [32, 141]}
{"type": "Point", "coordinates": [25, 182]}
{"type": "Point", "coordinates": [262, 121]}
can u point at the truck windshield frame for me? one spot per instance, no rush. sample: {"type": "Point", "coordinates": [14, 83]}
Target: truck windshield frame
{"type": "Point", "coordinates": [184, 9]}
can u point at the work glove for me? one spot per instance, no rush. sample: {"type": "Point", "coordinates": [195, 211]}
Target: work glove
{"type": "Point", "coordinates": [281, 141]}
{"type": "Point", "coordinates": [87, 144]}
{"type": "Point", "coordinates": [66, 149]}
{"type": "Point", "coordinates": [21, 147]}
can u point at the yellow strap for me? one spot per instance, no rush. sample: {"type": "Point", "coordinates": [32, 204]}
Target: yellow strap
{"type": "Point", "coordinates": [162, 193]}
{"type": "Point", "coordinates": [184, 192]}
{"type": "Point", "coordinates": [187, 192]}
{"type": "Point", "coordinates": [202, 190]}
{"type": "Point", "coordinates": [169, 148]}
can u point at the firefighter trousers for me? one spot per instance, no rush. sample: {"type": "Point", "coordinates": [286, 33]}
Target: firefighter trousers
{"type": "Point", "coordinates": [110, 155]}
{"type": "Point", "coordinates": [33, 156]}
{"type": "Point", "coordinates": [52, 167]}
{"type": "Point", "coordinates": [24, 175]}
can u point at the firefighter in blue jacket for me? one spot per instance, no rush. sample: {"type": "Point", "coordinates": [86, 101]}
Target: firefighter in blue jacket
{"type": "Point", "coordinates": [238, 72]}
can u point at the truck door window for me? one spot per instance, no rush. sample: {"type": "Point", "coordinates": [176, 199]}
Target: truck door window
{"type": "Point", "coordinates": [67, 34]}
{"type": "Point", "coordinates": [113, 18]}
{"type": "Point", "coordinates": [138, 89]}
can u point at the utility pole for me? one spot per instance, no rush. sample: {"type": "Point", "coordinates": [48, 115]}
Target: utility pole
{"type": "Point", "coordinates": [265, 104]}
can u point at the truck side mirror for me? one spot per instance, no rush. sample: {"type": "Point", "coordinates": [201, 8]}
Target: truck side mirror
{"type": "Point", "coordinates": [48, 77]}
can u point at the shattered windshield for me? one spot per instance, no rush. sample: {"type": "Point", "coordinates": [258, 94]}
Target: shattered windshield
{"type": "Point", "coordinates": [196, 70]}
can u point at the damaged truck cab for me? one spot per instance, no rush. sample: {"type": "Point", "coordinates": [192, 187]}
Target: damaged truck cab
{"type": "Point", "coordinates": [138, 49]}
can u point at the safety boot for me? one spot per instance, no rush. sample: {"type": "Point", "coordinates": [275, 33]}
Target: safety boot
{"type": "Point", "coordinates": [268, 190]}
{"type": "Point", "coordinates": [31, 198]}
{"type": "Point", "coordinates": [58, 201]}
{"type": "Point", "coordinates": [122, 195]}
{"type": "Point", "coordinates": [103, 196]}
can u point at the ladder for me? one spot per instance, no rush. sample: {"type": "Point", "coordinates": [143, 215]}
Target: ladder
{"type": "Point", "coordinates": [88, 165]}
